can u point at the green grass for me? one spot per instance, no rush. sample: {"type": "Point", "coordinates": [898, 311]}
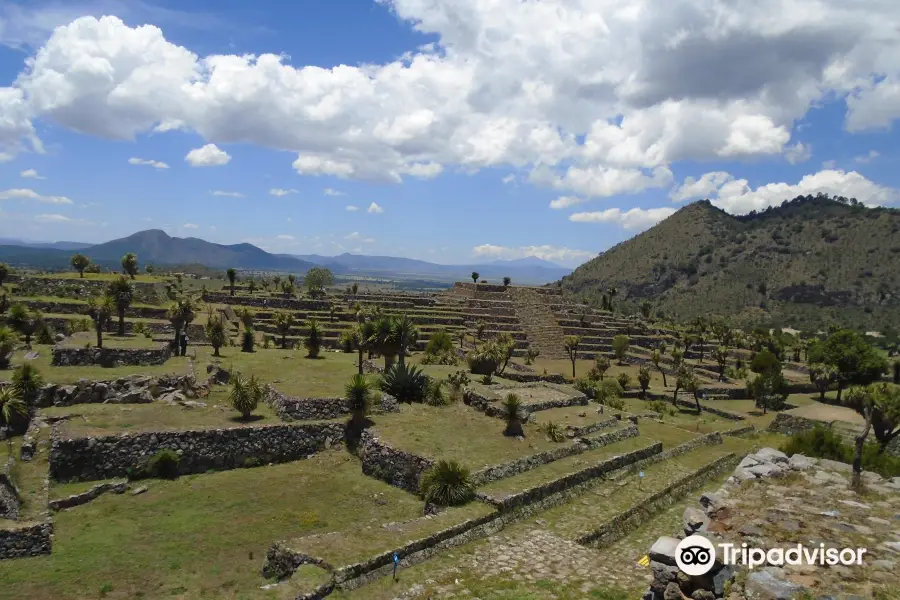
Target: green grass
{"type": "Point", "coordinates": [29, 477]}
{"type": "Point", "coordinates": [568, 415]}
{"type": "Point", "coordinates": [63, 375]}
{"type": "Point", "coordinates": [456, 432]}
{"type": "Point", "coordinates": [202, 536]}
{"type": "Point", "coordinates": [353, 545]}
{"type": "Point", "coordinates": [65, 300]}
{"type": "Point", "coordinates": [561, 468]}
{"type": "Point", "coordinates": [79, 340]}
{"type": "Point", "coordinates": [110, 419]}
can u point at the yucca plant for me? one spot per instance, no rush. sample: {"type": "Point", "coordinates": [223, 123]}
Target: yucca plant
{"type": "Point", "coordinates": [246, 392]}
{"type": "Point", "coordinates": [45, 334]}
{"type": "Point", "coordinates": [313, 341]}
{"type": "Point", "coordinates": [512, 412]}
{"type": "Point", "coordinates": [554, 432]}
{"type": "Point", "coordinates": [26, 382]}
{"type": "Point", "coordinates": [248, 340]}
{"type": "Point", "coordinates": [447, 483]}
{"type": "Point", "coordinates": [406, 383]}
{"type": "Point", "coordinates": [216, 332]}
{"type": "Point", "coordinates": [12, 407]}
{"type": "Point", "coordinates": [359, 397]}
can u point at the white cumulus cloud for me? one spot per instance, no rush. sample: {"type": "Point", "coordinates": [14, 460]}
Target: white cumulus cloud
{"type": "Point", "coordinates": [634, 219]}
{"type": "Point", "coordinates": [551, 253]}
{"type": "Point", "coordinates": [566, 201]}
{"type": "Point", "coordinates": [332, 192]}
{"type": "Point", "coordinates": [738, 197]}
{"type": "Point", "coordinates": [52, 218]}
{"type": "Point", "coordinates": [150, 163]}
{"type": "Point", "coordinates": [208, 156]}
{"type": "Point", "coordinates": [190, 226]}
{"type": "Point", "coordinates": [867, 158]}
{"type": "Point", "coordinates": [351, 208]}
{"type": "Point", "coordinates": [31, 174]}
{"type": "Point", "coordinates": [375, 209]}
{"type": "Point", "coordinates": [227, 194]}
{"type": "Point", "coordinates": [281, 192]}
{"type": "Point", "coordinates": [798, 153]}
{"type": "Point", "coordinates": [26, 194]}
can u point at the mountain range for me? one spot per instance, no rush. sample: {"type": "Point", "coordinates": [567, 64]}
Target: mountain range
{"type": "Point", "coordinates": [810, 262]}
{"type": "Point", "coordinates": [157, 247]}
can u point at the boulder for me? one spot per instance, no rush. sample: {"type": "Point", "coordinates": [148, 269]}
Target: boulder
{"type": "Point", "coordinates": [664, 549]}
{"type": "Point", "coordinates": [694, 520]}
{"type": "Point", "coordinates": [798, 462]}
{"type": "Point", "coordinates": [772, 455]}
{"type": "Point", "coordinates": [763, 585]}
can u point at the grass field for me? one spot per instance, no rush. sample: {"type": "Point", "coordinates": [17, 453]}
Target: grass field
{"type": "Point", "coordinates": [202, 536]}
{"type": "Point", "coordinates": [63, 375]}
{"type": "Point", "coordinates": [84, 338]}
{"type": "Point", "coordinates": [108, 419]}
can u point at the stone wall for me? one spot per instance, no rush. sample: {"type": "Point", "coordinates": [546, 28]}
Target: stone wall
{"type": "Point", "coordinates": [534, 377]}
{"type": "Point", "coordinates": [78, 309]}
{"type": "Point", "coordinates": [311, 409]}
{"type": "Point", "coordinates": [529, 496]}
{"type": "Point", "coordinates": [92, 458]}
{"type": "Point", "coordinates": [399, 468]}
{"type": "Point", "coordinates": [282, 303]}
{"type": "Point", "coordinates": [119, 487]}
{"type": "Point", "coordinates": [26, 540]}
{"type": "Point", "coordinates": [705, 407]}
{"type": "Point", "coordinates": [135, 389]}
{"type": "Point", "coordinates": [526, 463]}
{"type": "Point", "coordinates": [9, 494]}
{"type": "Point", "coordinates": [108, 357]}
{"type": "Point", "coordinates": [79, 289]}
{"type": "Point", "coordinates": [627, 521]}
{"type": "Point", "coordinates": [790, 424]}
{"type": "Point", "coordinates": [488, 399]}
{"type": "Point", "coordinates": [710, 439]}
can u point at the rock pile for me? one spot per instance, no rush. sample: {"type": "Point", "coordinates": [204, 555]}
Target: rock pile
{"type": "Point", "coordinates": [773, 501]}
{"type": "Point", "coordinates": [134, 389]}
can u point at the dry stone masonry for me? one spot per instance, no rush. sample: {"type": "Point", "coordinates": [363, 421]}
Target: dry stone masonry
{"type": "Point", "coordinates": [135, 389]}
{"type": "Point", "coordinates": [64, 356]}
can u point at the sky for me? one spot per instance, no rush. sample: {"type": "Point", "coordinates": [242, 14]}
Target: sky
{"type": "Point", "coordinates": [444, 130]}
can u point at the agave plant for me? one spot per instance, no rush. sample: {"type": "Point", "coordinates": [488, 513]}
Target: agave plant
{"type": "Point", "coordinates": [313, 341]}
{"type": "Point", "coordinates": [434, 393]}
{"type": "Point", "coordinates": [554, 432]}
{"type": "Point", "coordinates": [359, 397]}
{"type": "Point", "coordinates": [12, 408]}
{"type": "Point", "coordinates": [512, 412]}
{"type": "Point", "coordinates": [447, 483]}
{"type": "Point", "coordinates": [406, 383]}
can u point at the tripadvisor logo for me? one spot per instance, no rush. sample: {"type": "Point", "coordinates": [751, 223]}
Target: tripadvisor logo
{"type": "Point", "coordinates": [695, 555]}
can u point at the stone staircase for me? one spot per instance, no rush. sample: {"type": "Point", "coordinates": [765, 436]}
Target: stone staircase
{"type": "Point", "coordinates": [538, 322]}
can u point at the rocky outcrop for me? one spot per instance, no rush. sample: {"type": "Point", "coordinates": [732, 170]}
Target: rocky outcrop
{"type": "Point", "coordinates": [9, 494]}
{"type": "Point", "coordinates": [396, 467]}
{"type": "Point", "coordinates": [26, 540]}
{"type": "Point", "coordinates": [92, 458]}
{"type": "Point", "coordinates": [109, 357]}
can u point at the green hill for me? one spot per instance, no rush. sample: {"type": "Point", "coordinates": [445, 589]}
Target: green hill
{"type": "Point", "coordinates": [811, 261]}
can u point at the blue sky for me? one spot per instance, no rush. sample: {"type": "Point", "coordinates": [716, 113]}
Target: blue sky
{"type": "Point", "coordinates": [455, 131]}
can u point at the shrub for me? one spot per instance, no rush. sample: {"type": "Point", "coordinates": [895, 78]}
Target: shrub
{"type": "Point", "coordinates": [660, 407]}
{"type": "Point", "coordinates": [313, 341]}
{"type": "Point", "coordinates": [139, 328]}
{"type": "Point", "coordinates": [245, 394]}
{"type": "Point", "coordinates": [347, 342]}
{"type": "Point", "coordinates": [12, 409]}
{"type": "Point", "coordinates": [644, 377]}
{"type": "Point", "coordinates": [620, 344]}
{"type": "Point", "coordinates": [487, 379]}
{"type": "Point", "coordinates": [267, 342]}
{"type": "Point", "coordinates": [607, 390]}
{"type": "Point", "coordinates": [45, 334]}
{"type": "Point", "coordinates": [447, 483]}
{"type": "Point", "coordinates": [26, 381]}
{"type": "Point", "coordinates": [485, 360]}
{"type": "Point", "coordinates": [820, 442]}
{"type": "Point", "coordinates": [404, 382]}
{"type": "Point", "coordinates": [623, 379]}
{"type": "Point", "coordinates": [7, 344]}
{"type": "Point", "coordinates": [163, 464]}
{"type": "Point", "coordinates": [434, 393]}
{"type": "Point", "coordinates": [530, 355]}
{"type": "Point", "coordinates": [457, 381]}
{"type": "Point", "coordinates": [439, 342]}
{"type": "Point", "coordinates": [615, 403]}
{"type": "Point", "coordinates": [586, 386]}
{"type": "Point", "coordinates": [512, 412]}
{"type": "Point", "coordinates": [248, 340]}
{"type": "Point", "coordinates": [554, 432]}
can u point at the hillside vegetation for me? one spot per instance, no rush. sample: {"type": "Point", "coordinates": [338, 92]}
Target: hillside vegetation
{"type": "Point", "coordinates": [809, 262]}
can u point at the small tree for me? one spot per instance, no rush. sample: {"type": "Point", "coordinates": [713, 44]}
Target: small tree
{"type": "Point", "coordinates": [246, 393]}
{"type": "Point", "coordinates": [317, 279]}
{"type": "Point", "coordinates": [100, 310]}
{"type": "Point", "coordinates": [571, 345]}
{"type": "Point", "coordinates": [284, 321]}
{"type": "Point", "coordinates": [232, 277]}
{"type": "Point", "coordinates": [620, 345]}
{"type": "Point", "coordinates": [216, 332]}
{"type": "Point", "coordinates": [700, 328]}
{"type": "Point", "coordinates": [856, 361]}
{"type": "Point", "coordinates": [80, 262]}
{"type": "Point", "coordinates": [248, 340]}
{"type": "Point", "coordinates": [122, 294]}
{"type": "Point", "coordinates": [25, 322]}
{"type": "Point", "coordinates": [480, 328]}
{"type": "Point", "coordinates": [506, 346]}
{"type": "Point", "coordinates": [313, 341]}
{"type": "Point", "coordinates": [879, 404]}
{"type": "Point", "coordinates": [690, 383]}
{"type": "Point", "coordinates": [644, 379]}
{"type": "Point", "coordinates": [359, 398]}
{"type": "Point", "coordinates": [768, 390]}
{"type": "Point", "coordinates": [506, 281]}
{"type": "Point", "coordinates": [4, 273]}
{"type": "Point", "coordinates": [623, 379]}
{"type": "Point", "coordinates": [512, 412]}
{"type": "Point", "coordinates": [130, 264]}
{"type": "Point", "coordinates": [646, 308]}
{"type": "Point", "coordinates": [822, 376]}
{"type": "Point", "coordinates": [405, 334]}
{"type": "Point", "coordinates": [475, 276]}
{"type": "Point", "coordinates": [601, 366]}
{"type": "Point", "coordinates": [720, 354]}
{"type": "Point", "coordinates": [251, 286]}
{"type": "Point", "coordinates": [149, 269]}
